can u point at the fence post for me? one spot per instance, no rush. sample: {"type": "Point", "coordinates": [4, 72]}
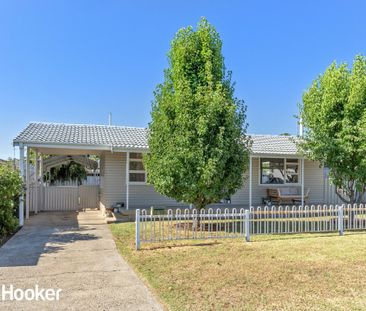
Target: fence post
{"type": "Point", "coordinates": [340, 220]}
{"type": "Point", "coordinates": [247, 225]}
{"type": "Point", "coordinates": [137, 229]}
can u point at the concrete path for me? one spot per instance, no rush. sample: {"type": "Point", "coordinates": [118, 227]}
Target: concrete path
{"type": "Point", "coordinates": [75, 253]}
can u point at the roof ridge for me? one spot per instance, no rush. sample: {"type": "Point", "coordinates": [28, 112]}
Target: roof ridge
{"type": "Point", "coordinates": [272, 135]}
{"type": "Point", "coordinates": [128, 137]}
{"type": "Point", "coordinates": [89, 124]}
{"type": "Point", "coordinates": [137, 127]}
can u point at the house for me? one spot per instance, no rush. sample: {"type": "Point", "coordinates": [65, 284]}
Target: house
{"type": "Point", "coordinates": [274, 163]}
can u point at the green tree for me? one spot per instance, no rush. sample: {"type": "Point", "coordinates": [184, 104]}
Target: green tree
{"type": "Point", "coordinates": [334, 115]}
{"type": "Point", "coordinates": [197, 137]}
{"type": "Point", "coordinates": [10, 189]}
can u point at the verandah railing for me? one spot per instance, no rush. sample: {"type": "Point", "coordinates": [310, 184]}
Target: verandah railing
{"type": "Point", "coordinates": [242, 223]}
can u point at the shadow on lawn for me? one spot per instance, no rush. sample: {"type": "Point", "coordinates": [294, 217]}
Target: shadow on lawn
{"type": "Point", "coordinates": [302, 236]}
{"type": "Point", "coordinates": [254, 239]}
{"type": "Point", "coordinates": [155, 247]}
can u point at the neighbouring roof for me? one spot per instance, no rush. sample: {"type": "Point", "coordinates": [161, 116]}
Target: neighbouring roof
{"type": "Point", "coordinates": [37, 133]}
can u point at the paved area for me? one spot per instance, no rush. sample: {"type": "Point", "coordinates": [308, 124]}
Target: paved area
{"type": "Point", "coordinates": [76, 253]}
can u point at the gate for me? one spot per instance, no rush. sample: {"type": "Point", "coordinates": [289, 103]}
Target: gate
{"type": "Point", "coordinates": [88, 196]}
{"type": "Point", "coordinates": [63, 198]}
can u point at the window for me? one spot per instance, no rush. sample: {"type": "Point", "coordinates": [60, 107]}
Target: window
{"type": "Point", "coordinates": [137, 172]}
{"type": "Point", "coordinates": [292, 171]}
{"type": "Point", "coordinates": [279, 171]}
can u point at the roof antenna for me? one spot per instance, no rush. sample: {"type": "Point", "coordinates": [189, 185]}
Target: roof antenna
{"type": "Point", "coordinates": [110, 119]}
{"type": "Point", "coordinates": [301, 128]}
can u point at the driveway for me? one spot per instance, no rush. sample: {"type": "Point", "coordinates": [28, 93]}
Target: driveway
{"type": "Point", "coordinates": [75, 253]}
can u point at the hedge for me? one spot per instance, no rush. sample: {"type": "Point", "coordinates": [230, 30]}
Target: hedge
{"type": "Point", "coordinates": [10, 190]}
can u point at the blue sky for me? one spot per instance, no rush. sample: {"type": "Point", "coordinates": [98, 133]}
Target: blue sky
{"type": "Point", "coordinates": [75, 61]}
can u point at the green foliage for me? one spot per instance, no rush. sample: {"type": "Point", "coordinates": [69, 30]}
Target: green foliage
{"type": "Point", "coordinates": [70, 171]}
{"type": "Point", "coordinates": [198, 147]}
{"type": "Point", "coordinates": [334, 115]}
{"type": "Point", "coordinates": [10, 189]}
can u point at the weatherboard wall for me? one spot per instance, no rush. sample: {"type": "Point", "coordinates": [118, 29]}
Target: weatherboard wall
{"type": "Point", "coordinates": [113, 185]}
{"type": "Point", "coordinates": [313, 180]}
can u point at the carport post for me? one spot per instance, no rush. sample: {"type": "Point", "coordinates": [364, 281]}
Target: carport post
{"type": "Point", "coordinates": [27, 175]}
{"type": "Point", "coordinates": [250, 180]}
{"type": "Point", "coordinates": [127, 178]}
{"type": "Point", "coordinates": [41, 179]}
{"type": "Point", "coordinates": [21, 199]}
{"type": "Point", "coordinates": [302, 181]}
{"type": "Point", "coordinates": [36, 181]}
{"type": "Point", "coordinates": [138, 245]}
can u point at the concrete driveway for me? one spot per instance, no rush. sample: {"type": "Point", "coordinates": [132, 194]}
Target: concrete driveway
{"type": "Point", "coordinates": [75, 253]}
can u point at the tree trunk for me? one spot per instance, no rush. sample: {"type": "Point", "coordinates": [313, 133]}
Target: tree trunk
{"type": "Point", "coordinates": [351, 200]}
{"type": "Point", "coordinates": [197, 222]}
{"type": "Point", "coordinates": [351, 214]}
{"type": "Point", "coordinates": [351, 196]}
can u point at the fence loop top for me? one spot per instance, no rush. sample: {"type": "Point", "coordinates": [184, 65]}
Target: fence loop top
{"type": "Point", "coordinates": [207, 224]}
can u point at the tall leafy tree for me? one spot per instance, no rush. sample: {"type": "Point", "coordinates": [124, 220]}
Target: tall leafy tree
{"type": "Point", "coordinates": [334, 115]}
{"type": "Point", "coordinates": [197, 137]}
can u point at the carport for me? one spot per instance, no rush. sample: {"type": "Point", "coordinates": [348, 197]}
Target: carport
{"type": "Point", "coordinates": [66, 142]}
{"type": "Point", "coordinates": [39, 194]}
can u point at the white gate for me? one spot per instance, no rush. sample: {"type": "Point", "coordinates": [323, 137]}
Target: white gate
{"type": "Point", "coordinates": [63, 198]}
{"type": "Point", "coordinates": [89, 196]}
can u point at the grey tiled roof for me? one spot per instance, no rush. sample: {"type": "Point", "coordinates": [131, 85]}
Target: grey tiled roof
{"type": "Point", "coordinates": [83, 134]}
{"type": "Point", "coordinates": [274, 144]}
{"type": "Point", "coordinates": [127, 137]}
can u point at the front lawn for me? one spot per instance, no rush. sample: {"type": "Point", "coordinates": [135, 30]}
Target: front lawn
{"type": "Point", "coordinates": [289, 272]}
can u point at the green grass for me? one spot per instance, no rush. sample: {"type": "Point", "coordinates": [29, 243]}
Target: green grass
{"type": "Point", "coordinates": [287, 272]}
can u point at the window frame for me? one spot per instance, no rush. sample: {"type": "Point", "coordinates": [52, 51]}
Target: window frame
{"type": "Point", "coordinates": [136, 171]}
{"type": "Point", "coordinates": [285, 184]}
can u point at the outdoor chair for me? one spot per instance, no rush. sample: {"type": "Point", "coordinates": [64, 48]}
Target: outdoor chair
{"type": "Point", "coordinates": [290, 195]}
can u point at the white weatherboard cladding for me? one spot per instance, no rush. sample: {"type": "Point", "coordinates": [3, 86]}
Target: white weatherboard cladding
{"type": "Point", "coordinates": [112, 166]}
{"type": "Point", "coordinates": [113, 174]}
{"type": "Point", "coordinates": [313, 180]}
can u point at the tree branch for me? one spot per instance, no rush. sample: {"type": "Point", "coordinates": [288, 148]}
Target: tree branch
{"type": "Point", "coordinates": [340, 196]}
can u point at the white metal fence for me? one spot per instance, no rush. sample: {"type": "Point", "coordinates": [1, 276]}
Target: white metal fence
{"type": "Point", "coordinates": [214, 224]}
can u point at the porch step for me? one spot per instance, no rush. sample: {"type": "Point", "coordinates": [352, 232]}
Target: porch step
{"type": "Point", "coordinates": [91, 217]}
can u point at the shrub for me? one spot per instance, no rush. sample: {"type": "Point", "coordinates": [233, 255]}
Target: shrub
{"type": "Point", "coordinates": [10, 189]}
